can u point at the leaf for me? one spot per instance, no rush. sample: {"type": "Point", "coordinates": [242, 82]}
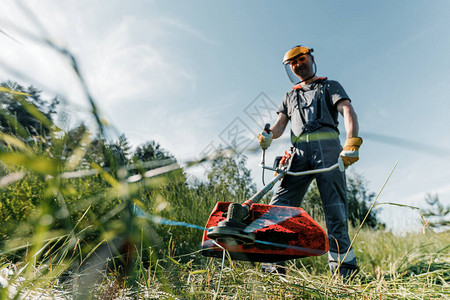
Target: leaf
{"type": "Point", "coordinates": [33, 163]}
{"type": "Point", "coordinates": [6, 90]}
{"type": "Point", "coordinates": [198, 272]}
{"type": "Point", "coordinates": [173, 260]}
{"type": "Point", "coordinates": [34, 111]}
{"type": "Point", "coordinates": [106, 176]}
{"type": "Point", "coordinates": [13, 141]}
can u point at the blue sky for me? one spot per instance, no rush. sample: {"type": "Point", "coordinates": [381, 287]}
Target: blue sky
{"type": "Point", "coordinates": [184, 73]}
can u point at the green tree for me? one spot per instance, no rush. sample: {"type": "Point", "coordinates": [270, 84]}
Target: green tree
{"type": "Point", "coordinates": [150, 151]}
{"type": "Point", "coordinates": [312, 202]}
{"type": "Point", "coordinates": [359, 200]}
{"type": "Point", "coordinates": [23, 112]}
{"type": "Point", "coordinates": [230, 178]}
{"type": "Point", "coordinates": [120, 152]}
{"type": "Point", "coordinates": [92, 148]}
{"type": "Point", "coordinates": [437, 212]}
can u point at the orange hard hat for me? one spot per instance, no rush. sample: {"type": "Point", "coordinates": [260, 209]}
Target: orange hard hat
{"type": "Point", "coordinates": [295, 52]}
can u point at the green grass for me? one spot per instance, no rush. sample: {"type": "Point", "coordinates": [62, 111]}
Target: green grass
{"type": "Point", "coordinates": [416, 266]}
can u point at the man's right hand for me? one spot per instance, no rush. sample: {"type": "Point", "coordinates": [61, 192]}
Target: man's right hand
{"type": "Point", "coordinates": [265, 139]}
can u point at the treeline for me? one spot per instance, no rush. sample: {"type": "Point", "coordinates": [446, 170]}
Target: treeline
{"type": "Point", "coordinates": [55, 183]}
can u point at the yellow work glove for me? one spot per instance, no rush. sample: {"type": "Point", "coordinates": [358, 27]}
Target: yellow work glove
{"type": "Point", "coordinates": [350, 153]}
{"type": "Point", "coordinates": [265, 139]}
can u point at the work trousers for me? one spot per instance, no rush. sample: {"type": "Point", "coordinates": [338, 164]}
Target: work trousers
{"type": "Point", "coordinates": [317, 150]}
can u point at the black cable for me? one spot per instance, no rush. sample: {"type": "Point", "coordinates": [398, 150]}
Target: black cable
{"type": "Point", "coordinates": [263, 163]}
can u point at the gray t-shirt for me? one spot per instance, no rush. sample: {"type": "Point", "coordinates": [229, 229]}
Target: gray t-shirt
{"type": "Point", "coordinates": [318, 102]}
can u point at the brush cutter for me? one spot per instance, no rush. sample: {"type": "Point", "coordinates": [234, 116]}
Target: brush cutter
{"type": "Point", "coordinates": [265, 233]}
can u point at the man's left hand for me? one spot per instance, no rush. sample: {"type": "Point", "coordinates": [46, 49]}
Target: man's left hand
{"type": "Point", "coordinates": [350, 153]}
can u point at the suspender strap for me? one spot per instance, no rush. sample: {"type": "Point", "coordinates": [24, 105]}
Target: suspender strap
{"type": "Point", "coordinates": [311, 126]}
{"type": "Point", "coordinates": [300, 109]}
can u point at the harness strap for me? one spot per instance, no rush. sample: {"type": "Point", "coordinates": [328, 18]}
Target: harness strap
{"type": "Point", "coordinates": [311, 126]}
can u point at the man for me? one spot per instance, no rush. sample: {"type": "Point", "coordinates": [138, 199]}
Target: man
{"type": "Point", "coordinates": [313, 106]}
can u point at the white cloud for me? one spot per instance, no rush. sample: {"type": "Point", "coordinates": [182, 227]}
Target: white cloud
{"type": "Point", "coordinates": [122, 58]}
{"type": "Point", "coordinates": [123, 70]}
{"type": "Point", "coordinates": [189, 30]}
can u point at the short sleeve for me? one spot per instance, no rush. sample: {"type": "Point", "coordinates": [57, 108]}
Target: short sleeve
{"type": "Point", "coordinates": [283, 108]}
{"type": "Point", "coordinates": [336, 92]}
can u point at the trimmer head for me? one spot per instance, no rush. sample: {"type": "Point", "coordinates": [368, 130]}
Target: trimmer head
{"type": "Point", "coordinates": [269, 233]}
{"type": "Point", "coordinates": [231, 233]}
{"type": "Point", "coordinates": [231, 230]}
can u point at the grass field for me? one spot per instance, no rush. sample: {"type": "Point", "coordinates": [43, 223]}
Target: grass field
{"type": "Point", "coordinates": [415, 266]}
{"type": "Point", "coordinates": [411, 267]}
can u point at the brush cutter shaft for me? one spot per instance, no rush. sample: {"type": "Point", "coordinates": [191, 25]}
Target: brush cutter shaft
{"type": "Point", "coordinates": [281, 173]}
{"type": "Point", "coordinates": [336, 165]}
{"type": "Point", "coordinates": [258, 196]}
